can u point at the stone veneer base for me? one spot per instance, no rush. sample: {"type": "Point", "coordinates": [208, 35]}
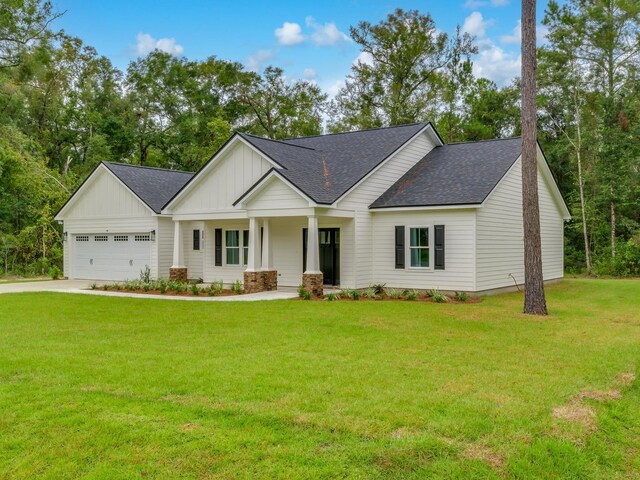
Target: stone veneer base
{"type": "Point", "coordinates": [314, 283]}
{"type": "Point", "coordinates": [261, 281]}
{"type": "Point", "coordinates": [178, 274]}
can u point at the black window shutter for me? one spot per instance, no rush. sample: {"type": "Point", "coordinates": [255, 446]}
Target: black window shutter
{"type": "Point", "coordinates": [400, 246]}
{"type": "Point", "coordinates": [196, 239]}
{"type": "Point", "coordinates": [218, 241]}
{"type": "Point", "coordinates": [439, 245]}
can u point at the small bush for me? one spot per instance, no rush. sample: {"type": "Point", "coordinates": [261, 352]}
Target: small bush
{"type": "Point", "coordinates": [355, 294]}
{"type": "Point", "coordinates": [162, 287]}
{"type": "Point", "coordinates": [461, 296]}
{"type": "Point", "coordinates": [146, 286]}
{"type": "Point", "coordinates": [331, 297]}
{"type": "Point", "coordinates": [349, 293]}
{"type": "Point", "coordinates": [195, 290]}
{"type": "Point", "coordinates": [117, 286]}
{"type": "Point", "coordinates": [301, 291]}
{"type": "Point", "coordinates": [237, 287]}
{"type": "Point", "coordinates": [378, 288]}
{"type": "Point", "coordinates": [440, 298]}
{"type": "Point", "coordinates": [55, 273]}
{"type": "Point", "coordinates": [370, 293]}
{"type": "Point", "coordinates": [393, 293]}
{"type": "Point", "coordinates": [215, 288]}
{"type": "Point", "coordinates": [131, 285]}
{"type": "Point", "coordinates": [93, 286]}
{"type": "Point", "coordinates": [105, 287]}
{"type": "Point", "coordinates": [410, 295]}
{"type": "Point", "coordinates": [145, 275]}
{"type": "Point", "coordinates": [306, 295]}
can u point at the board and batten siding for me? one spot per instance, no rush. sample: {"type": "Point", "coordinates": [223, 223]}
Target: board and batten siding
{"type": "Point", "coordinates": [276, 195]}
{"type": "Point", "coordinates": [500, 236]}
{"type": "Point", "coordinates": [225, 182]}
{"type": "Point", "coordinates": [369, 190]}
{"type": "Point", "coordinates": [459, 272]}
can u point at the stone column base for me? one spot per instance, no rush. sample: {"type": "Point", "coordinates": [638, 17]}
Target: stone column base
{"type": "Point", "coordinates": [262, 281]}
{"type": "Point", "coordinates": [314, 283]}
{"type": "Point", "coordinates": [178, 274]}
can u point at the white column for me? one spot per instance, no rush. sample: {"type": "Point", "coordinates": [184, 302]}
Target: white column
{"type": "Point", "coordinates": [178, 246]}
{"type": "Point", "coordinates": [254, 261]}
{"type": "Point", "coordinates": [313, 246]}
{"type": "Point", "coordinates": [266, 245]}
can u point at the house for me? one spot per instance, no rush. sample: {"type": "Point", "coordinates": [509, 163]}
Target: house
{"type": "Point", "coordinates": [391, 205]}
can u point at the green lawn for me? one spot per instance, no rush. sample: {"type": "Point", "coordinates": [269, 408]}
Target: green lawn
{"type": "Point", "coordinates": [100, 387]}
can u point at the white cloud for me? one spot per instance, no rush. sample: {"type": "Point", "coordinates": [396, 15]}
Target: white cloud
{"type": "Point", "coordinates": [289, 34]}
{"type": "Point", "coordinates": [476, 25]}
{"type": "Point", "coordinates": [516, 36]}
{"type": "Point", "coordinates": [146, 43]}
{"type": "Point", "coordinates": [334, 88]}
{"type": "Point", "coordinates": [485, 3]}
{"type": "Point", "coordinates": [365, 58]}
{"type": "Point", "coordinates": [327, 34]}
{"type": "Point", "coordinates": [496, 64]}
{"type": "Point", "coordinates": [255, 61]}
{"type": "Point", "coordinates": [309, 73]}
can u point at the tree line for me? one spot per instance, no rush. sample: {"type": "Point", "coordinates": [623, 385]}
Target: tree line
{"type": "Point", "coordinates": [64, 108]}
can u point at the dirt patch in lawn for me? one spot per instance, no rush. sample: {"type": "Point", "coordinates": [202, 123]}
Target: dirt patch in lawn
{"type": "Point", "coordinates": [485, 454]}
{"type": "Point", "coordinates": [576, 412]}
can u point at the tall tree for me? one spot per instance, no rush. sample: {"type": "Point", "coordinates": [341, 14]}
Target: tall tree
{"type": "Point", "coordinates": [534, 297]}
{"type": "Point", "coordinates": [401, 71]}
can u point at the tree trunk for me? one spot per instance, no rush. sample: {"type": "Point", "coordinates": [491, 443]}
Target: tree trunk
{"type": "Point", "coordinates": [583, 211]}
{"type": "Point", "coordinates": [534, 298]}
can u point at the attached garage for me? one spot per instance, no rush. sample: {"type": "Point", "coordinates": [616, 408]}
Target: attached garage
{"type": "Point", "coordinates": [113, 221]}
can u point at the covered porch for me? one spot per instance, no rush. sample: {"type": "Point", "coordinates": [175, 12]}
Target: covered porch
{"type": "Point", "coordinates": [267, 249]}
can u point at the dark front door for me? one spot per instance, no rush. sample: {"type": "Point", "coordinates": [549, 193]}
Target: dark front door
{"type": "Point", "coordinates": [329, 254]}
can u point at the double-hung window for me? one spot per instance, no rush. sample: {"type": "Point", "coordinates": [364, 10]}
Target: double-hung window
{"type": "Point", "coordinates": [419, 250]}
{"type": "Point", "coordinates": [236, 247]}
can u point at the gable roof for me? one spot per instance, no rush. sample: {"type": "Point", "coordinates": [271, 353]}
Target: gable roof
{"type": "Point", "coordinates": [453, 174]}
{"type": "Point", "coordinates": [154, 186]}
{"type": "Point", "coordinates": [324, 167]}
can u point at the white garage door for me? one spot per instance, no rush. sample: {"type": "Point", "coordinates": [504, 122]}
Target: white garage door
{"type": "Point", "coordinates": [118, 256]}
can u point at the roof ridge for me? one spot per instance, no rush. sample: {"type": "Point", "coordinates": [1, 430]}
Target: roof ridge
{"type": "Point", "coordinates": [482, 141]}
{"type": "Point", "coordinates": [148, 168]}
{"type": "Point", "coordinates": [358, 131]}
{"type": "Point", "coordinates": [278, 141]}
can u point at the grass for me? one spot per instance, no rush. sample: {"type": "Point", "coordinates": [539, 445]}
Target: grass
{"type": "Point", "coordinates": [101, 387]}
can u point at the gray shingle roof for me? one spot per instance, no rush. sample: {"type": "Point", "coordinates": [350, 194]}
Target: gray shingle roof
{"type": "Point", "coordinates": [326, 166]}
{"type": "Point", "coordinates": [154, 186]}
{"type": "Point", "coordinates": [454, 174]}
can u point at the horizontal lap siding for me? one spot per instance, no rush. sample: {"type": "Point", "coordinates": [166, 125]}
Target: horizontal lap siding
{"type": "Point", "coordinates": [500, 249]}
{"type": "Point", "coordinates": [228, 274]}
{"type": "Point", "coordinates": [367, 192]}
{"type": "Point", "coordinates": [347, 231]}
{"type": "Point", "coordinates": [459, 250]}
{"type": "Point", "coordinates": [193, 259]}
{"type": "Point", "coordinates": [164, 239]}
{"type": "Point", "coordinates": [286, 244]}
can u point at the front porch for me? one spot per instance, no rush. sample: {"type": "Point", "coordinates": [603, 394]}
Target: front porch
{"type": "Point", "coordinates": [266, 252]}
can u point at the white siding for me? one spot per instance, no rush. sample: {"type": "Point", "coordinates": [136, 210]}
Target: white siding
{"type": "Point", "coordinates": [227, 180]}
{"type": "Point", "coordinates": [164, 246]}
{"type": "Point", "coordinates": [459, 250]}
{"type": "Point", "coordinates": [368, 191]}
{"type": "Point", "coordinates": [500, 246]}
{"type": "Point", "coordinates": [277, 195]}
{"type": "Point", "coordinates": [228, 274]}
{"type": "Point", "coordinates": [193, 259]}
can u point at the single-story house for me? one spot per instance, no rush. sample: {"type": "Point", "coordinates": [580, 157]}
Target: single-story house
{"type": "Point", "coordinates": [394, 206]}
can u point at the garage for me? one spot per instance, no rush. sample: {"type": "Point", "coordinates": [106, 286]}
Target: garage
{"type": "Point", "coordinates": [120, 256]}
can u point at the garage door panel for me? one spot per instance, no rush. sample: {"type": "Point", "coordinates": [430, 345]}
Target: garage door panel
{"type": "Point", "coordinates": [110, 256]}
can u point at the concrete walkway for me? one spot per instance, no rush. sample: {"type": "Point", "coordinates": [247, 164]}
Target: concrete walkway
{"type": "Point", "coordinates": [82, 287]}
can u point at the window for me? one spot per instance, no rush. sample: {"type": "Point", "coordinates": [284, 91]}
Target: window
{"type": "Point", "coordinates": [82, 238]}
{"type": "Point", "coordinates": [419, 247]}
{"type": "Point", "coordinates": [143, 238]}
{"type": "Point", "coordinates": [245, 247]}
{"type": "Point", "coordinates": [101, 238]}
{"type": "Point", "coordinates": [232, 246]}
{"type": "Point", "coordinates": [121, 238]}
{"type": "Point", "coordinates": [196, 239]}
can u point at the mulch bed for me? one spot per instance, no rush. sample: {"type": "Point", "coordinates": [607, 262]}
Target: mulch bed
{"type": "Point", "coordinates": [168, 293]}
{"type": "Point", "coordinates": [387, 299]}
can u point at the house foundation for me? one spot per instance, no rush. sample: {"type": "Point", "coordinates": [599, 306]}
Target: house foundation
{"type": "Point", "coordinates": [260, 281]}
{"type": "Point", "coordinates": [314, 283]}
{"type": "Point", "coordinates": [178, 274]}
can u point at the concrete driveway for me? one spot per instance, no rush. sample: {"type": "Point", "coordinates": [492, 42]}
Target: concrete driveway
{"type": "Point", "coordinates": [82, 286]}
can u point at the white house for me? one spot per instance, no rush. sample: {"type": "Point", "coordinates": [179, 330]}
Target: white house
{"type": "Point", "coordinates": [390, 205]}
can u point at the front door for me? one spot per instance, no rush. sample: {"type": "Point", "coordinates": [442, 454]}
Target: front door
{"type": "Point", "coordinates": [329, 254]}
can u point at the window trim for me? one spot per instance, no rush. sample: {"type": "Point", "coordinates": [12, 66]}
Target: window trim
{"type": "Point", "coordinates": [243, 261]}
{"type": "Point", "coordinates": [407, 248]}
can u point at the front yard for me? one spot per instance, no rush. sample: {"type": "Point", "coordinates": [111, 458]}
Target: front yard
{"type": "Point", "coordinates": [102, 387]}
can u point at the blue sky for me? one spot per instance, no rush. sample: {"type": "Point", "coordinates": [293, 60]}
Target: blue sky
{"type": "Point", "coordinates": [307, 39]}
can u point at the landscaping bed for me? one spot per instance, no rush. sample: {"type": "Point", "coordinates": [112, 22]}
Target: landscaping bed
{"type": "Point", "coordinates": [170, 288]}
{"type": "Point", "coordinates": [376, 293]}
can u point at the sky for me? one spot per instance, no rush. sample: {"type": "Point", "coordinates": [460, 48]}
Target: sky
{"type": "Point", "coordinates": [307, 39]}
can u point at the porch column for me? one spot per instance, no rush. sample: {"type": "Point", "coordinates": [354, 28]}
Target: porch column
{"type": "Point", "coordinates": [254, 262]}
{"type": "Point", "coordinates": [312, 279]}
{"type": "Point", "coordinates": [178, 270]}
{"type": "Point", "coordinates": [266, 245]}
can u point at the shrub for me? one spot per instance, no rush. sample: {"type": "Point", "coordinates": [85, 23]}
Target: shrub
{"type": "Point", "coordinates": [301, 291]}
{"type": "Point", "coordinates": [145, 275]}
{"type": "Point", "coordinates": [370, 293]}
{"type": "Point", "coordinates": [332, 296]}
{"type": "Point", "coordinates": [439, 297]}
{"type": "Point", "coordinates": [93, 286]}
{"type": "Point", "coordinates": [410, 295]}
{"type": "Point", "coordinates": [355, 294]}
{"type": "Point", "coordinates": [162, 287]}
{"type": "Point", "coordinates": [393, 293]}
{"type": "Point", "coordinates": [378, 288]}
{"type": "Point", "coordinates": [461, 296]}
{"type": "Point", "coordinates": [626, 262]}
{"type": "Point", "coordinates": [55, 272]}
{"type": "Point", "coordinates": [105, 286]}
{"type": "Point", "coordinates": [237, 287]}
{"type": "Point", "coordinates": [195, 289]}
{"type": "Point", "coordinates": [131, 285]}
{"type": "Point", "coordinates": [117, 286]}
{"type": "Point", "coordinates": [306, 295]}
{"type": "Point", "coordinates": [349, 293]}
{"type": "Point", "coordinates": [146, 286]}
